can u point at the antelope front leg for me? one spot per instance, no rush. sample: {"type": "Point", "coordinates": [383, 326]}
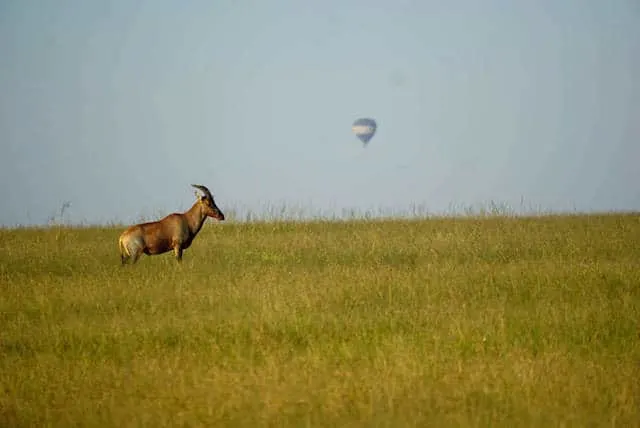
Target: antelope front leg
{"type": "Point", "coordinates": [177, 250]}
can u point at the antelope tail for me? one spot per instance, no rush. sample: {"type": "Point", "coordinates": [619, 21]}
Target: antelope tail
{"type": "Point", "coordinates": [124, 251]}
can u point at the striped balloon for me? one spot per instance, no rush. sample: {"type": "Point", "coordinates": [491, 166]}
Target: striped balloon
{"type": "Point", "coordinates": [364, 128]}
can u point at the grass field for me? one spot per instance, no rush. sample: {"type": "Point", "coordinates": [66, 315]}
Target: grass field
{"type": "Point", "coordinates": [464, 322]}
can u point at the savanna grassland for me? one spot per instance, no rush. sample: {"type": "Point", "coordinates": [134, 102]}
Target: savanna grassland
{"type": "Point", "coordinates": [467, 322]}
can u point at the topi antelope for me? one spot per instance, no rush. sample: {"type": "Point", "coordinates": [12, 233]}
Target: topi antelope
{"type": "Point", "coordinates": [174, 232]}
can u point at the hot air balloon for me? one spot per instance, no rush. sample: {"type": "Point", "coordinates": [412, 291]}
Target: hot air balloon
{"type": "Point", "coordinates": [364, 128]}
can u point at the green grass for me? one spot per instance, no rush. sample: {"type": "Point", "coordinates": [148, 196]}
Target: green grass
{"type": "Point", "coordinates": [467, 322]}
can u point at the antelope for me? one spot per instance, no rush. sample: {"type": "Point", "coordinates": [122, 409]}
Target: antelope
{"type": "Point", "coordinates": [174, 232]}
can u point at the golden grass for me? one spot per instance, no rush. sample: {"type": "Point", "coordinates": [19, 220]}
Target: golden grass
{"type": "Point", "coordinates": [440, 322]}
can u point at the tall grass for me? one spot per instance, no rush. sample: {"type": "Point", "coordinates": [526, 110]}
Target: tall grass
{"type": "Point", "coordinates": [494, 321]}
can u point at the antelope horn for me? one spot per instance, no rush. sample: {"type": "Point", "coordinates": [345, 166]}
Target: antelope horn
{"type": "Point", "coordinates": [204, 190]}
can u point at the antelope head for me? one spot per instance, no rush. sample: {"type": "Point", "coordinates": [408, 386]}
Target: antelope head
{"type": "Point", "coordinates": [207, 202]}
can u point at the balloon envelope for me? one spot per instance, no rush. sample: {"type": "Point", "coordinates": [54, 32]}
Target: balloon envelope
{"type": "Point", "coordinates": [364, 128]}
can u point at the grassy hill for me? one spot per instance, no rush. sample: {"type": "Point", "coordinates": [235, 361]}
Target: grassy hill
{"type": "Point", "coordinates": [493, 321]}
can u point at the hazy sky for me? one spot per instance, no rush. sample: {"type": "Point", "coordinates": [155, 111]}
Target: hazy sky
{"type": "Point", "coordinates": [118, 106]}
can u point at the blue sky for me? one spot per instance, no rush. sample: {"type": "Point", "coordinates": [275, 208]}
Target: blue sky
{"type": "Point", "coordinates": [118, 106]}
